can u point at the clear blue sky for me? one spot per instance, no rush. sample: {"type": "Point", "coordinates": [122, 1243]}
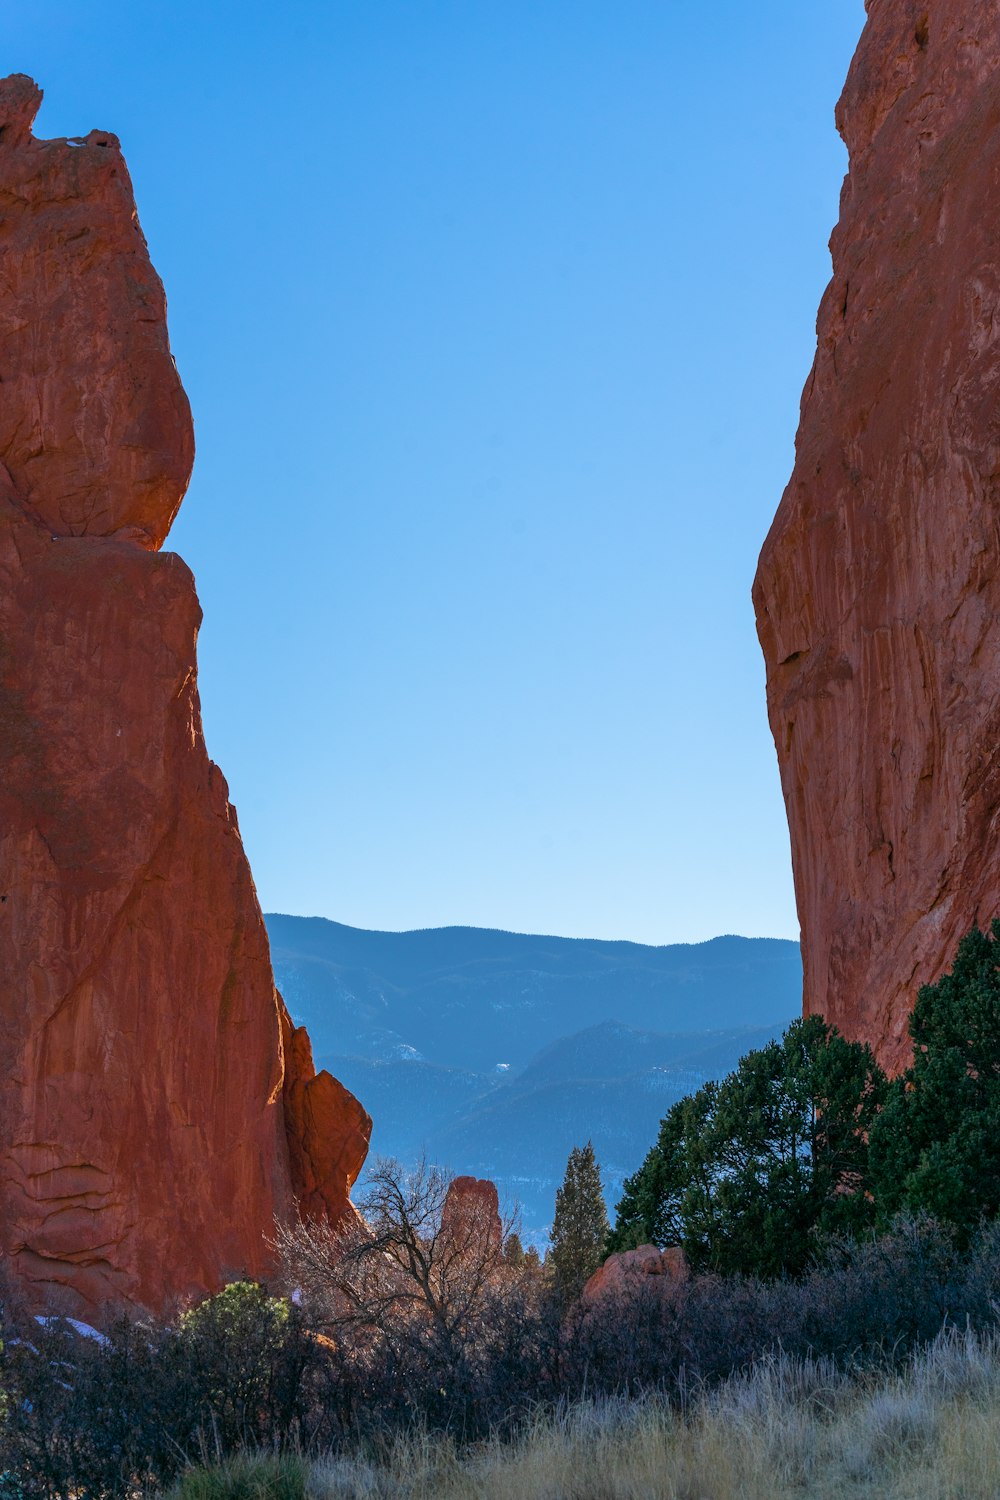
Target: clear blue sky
{"type": "Point", "coordinates": [494, 315]}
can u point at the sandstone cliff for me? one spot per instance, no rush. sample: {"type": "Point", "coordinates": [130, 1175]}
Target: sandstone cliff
{"type": "Point", "coordinates": [157, 1109]}
{"type": "Point", "coordinates": [878, 591]}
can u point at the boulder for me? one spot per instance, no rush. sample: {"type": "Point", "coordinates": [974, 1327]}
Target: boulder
{"type": "Point", "coordinates": [878, 589]}
{"type": "Point", "coordinates": [620, 1270]}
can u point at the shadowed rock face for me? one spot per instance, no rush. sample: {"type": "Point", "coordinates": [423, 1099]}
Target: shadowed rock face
{"type": "Point", "coordinates": [157, 1109]}
{"type": "Point", "coordinates": [877, 594]}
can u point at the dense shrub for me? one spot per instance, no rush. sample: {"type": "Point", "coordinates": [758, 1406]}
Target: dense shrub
{"type": "Point", "coordinates": [245, 1372]}
{"type": "Point", "coordinates": [246, 1357]}
{"type": "Point", "coordinates": [92, 1417]}
{"type": "Point", "coordinates": [936, 1145]}
{"type": "Point", "coordinates": [868, 1301]}
{"type": "Point", "coordinates": [749, 1174]}
{"type": "Point", "coordinates": [84, 1417]}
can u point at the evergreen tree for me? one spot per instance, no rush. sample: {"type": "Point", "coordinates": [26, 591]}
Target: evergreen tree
{"type": "Point", "coordinates": [748, 1172]}
{"type": "Point", "coordinates": [936, 1146]}
{"type": "Point", "coordinates": [580, 1226]}
{"type": "Point", "coordinates": [513, 1250]}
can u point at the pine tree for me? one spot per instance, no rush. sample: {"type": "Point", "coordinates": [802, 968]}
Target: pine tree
{"type": "Point", "coordinates": [580, 1226]}
{"type": "Point", "coordinates": [751, 1173]}
{"type": "Point", "coordinates": [936, 1146]}
{"type": "Point", "coordinates": [513, 1250]}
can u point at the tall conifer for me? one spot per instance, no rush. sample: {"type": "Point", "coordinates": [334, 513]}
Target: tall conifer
{"type": "Point", "coordinates": [580, 1226]}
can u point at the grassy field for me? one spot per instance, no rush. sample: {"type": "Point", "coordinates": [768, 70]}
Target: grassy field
{"type": "Point", "coordinates": [789, 1430]}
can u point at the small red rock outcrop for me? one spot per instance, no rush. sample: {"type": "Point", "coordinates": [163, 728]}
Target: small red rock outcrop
{"type": "Point", "coordinates": [326, 1128]}
{"type": "Point", "coordinates": [471, 1214]}
{"type": "Point", "coordinates": [620, 1270]}
{"type": "Point", "coordinates": [157, 1109]}
{"type": "Point", "coordinates": [878, 590]}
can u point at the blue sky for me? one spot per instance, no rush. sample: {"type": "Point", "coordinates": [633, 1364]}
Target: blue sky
{"type": "Point", "coordinates": [494, 318]}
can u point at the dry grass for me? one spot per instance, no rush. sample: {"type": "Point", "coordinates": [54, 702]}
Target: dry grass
{"type": "Point", "coordinates": [790, 1430]}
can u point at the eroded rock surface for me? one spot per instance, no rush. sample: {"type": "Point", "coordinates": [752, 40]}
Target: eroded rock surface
{"type": "Point", "coordinates": [326, 1128]}
{"type": "Point", "coordinates": [878, 594]}
{"type": "Point", "coordinates": [157, 1109]}
{"type": "Point", "coordinates": [95, 429]}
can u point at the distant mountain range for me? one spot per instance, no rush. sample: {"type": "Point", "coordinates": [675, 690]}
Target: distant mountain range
{"type": "Point", "coordinates": [497, 1052]}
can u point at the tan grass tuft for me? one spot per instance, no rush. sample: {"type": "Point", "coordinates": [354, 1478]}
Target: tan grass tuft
{"type": "Point", "coordinates": [790, 1430]}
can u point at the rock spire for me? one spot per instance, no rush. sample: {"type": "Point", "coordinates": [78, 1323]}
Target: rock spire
{"type": "Point", "coordinates": [157, 1107]}
{"type": "Point", "coordinates": [878, 590]}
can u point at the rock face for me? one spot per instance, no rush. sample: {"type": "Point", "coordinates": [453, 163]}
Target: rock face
{"type": "Point", "coordinates": [157, 1109]}
{"type": "Point", "coordinates": [878, 590]}
{"type": "Point", "coordinates": [326, 1129]}
{"type": "Point", "coordinates": [95, 430]}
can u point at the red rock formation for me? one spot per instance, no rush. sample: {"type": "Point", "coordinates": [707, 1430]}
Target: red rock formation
{"type": "Point", "coordinates": [326, 1128]}
{"type": "Point", "coordinates": [471, 1214]}
{"type": "Point", "coordinates": [143, 1093]}
{"type": "Point", "coordinates": [878, 591]}
{"type": "Point", "coordinates": [620, 1270]}
{"type": "Point", "coordinates": [95, 430]}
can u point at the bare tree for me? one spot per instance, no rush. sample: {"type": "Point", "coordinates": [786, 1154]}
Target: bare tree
{"type": "Point", "coordinates": [417, 1297]}
{"type": "Point", "coordinates": [419, 1253]}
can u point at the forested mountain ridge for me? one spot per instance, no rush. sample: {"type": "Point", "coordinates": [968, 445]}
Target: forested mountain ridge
{"type": "Point", "coordinates": [497, 1052]}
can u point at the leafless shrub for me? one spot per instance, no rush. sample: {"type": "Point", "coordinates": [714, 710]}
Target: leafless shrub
{"type": "Point", "coordinates": [422, 1312]}
{"type": "Point", "coordinates": [74, 1423]}
{"type": "Point", "coordinates": [867, 1303]}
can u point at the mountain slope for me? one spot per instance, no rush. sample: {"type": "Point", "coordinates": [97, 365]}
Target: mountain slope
{"type": "Point", "coordinates": [496, 1053]}
{"type": "Point", "coordinates": [471, 998]}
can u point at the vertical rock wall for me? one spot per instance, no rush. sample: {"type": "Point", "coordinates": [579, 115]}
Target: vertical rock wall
{"type": "Point", "coordinates": [878, 590]}
{"type": "Point", "coordinates": [157, 1109]}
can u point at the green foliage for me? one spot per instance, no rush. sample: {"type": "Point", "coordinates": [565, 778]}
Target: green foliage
{"type": "Point", "coordinates": [936, 1146]}
{"type": "Point", "coordinates": [580, 1224]}
{"type": "Point", "coordinates": [513, 1250]}
{"type": "Point", "coordinates": [748, 1173]}
{"type": "Point", "coordinates": [244, 1351]}
{"type": "Point", "coordinates": [246, 1477]}
{"type": "Point", "coordinates": [233, 1312]}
